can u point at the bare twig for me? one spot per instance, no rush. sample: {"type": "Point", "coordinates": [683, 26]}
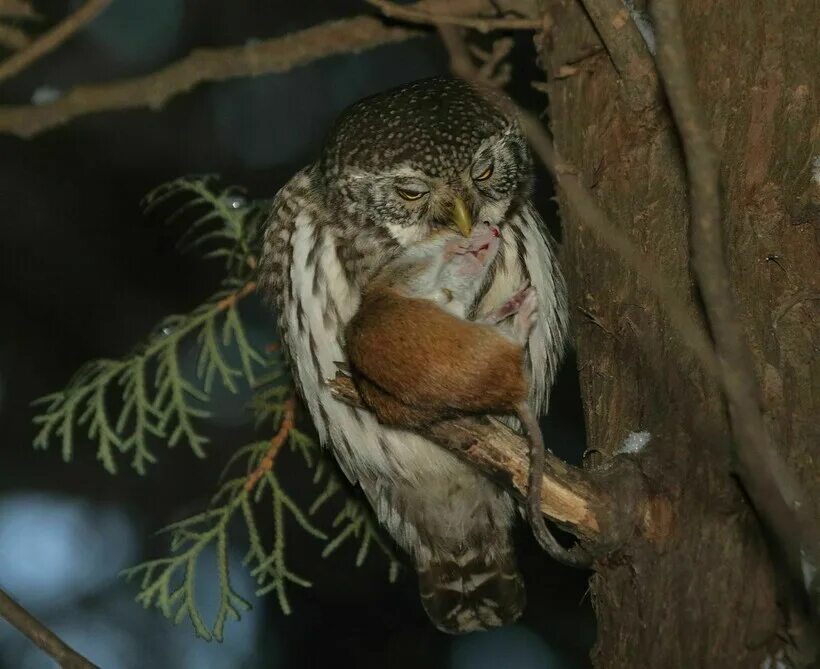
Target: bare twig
{"type": "Point", "coordinates": [493, 66]}
{"type": "Point", "coordinates": [771, 486]}
{"type": "Point", "coordinates": [51, 39]}
{"type": "Point", "coordinates": [233, 298]}
{"type": "Point", "coordinates": [43, 637]}
{"type": "Point", "coordinates": [627, 50]}
{"type": "Point", "coordinates": [17, 9]}
{"type": "Point", "coordinates": [13, 38]}
{"type": "Point", "coordinates": [575, 499]}
{"type": "Point", "coordinates": [682, 315]}
{"type": "Point", "coordinates": [418, 13]}
{"type": "Point", "coordinates": [278, 54]}
{"type": "Point", "coordinates": [276, 443]}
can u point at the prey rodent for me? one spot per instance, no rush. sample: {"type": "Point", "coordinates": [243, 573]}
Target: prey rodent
{"type": "Point", "coordinates": [415, 358]}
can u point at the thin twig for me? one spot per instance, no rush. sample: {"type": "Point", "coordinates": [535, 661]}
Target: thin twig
{"type": "Point", "coordinates": [51, 39]}
{"type": "Point", "coordinates": [276, 443]}
{"type": "Point", "coordinates": [17, 9]}
{"type": "Point", "coordinates": [40, 635]}
{"type": "Point", "coordinates": [627, 50]}
{"type": "Point", "coordinates": [13, 38]}
{"type": "Point", "coordinates": [416, 14]}
{"type": "Point", "coordinates": [771, 486]}
{"type": "Point", "coordinates": [681, 315]}
{"type": "Point", "coordinates": [278, 54]}
{"type": "Point", "coordinates": [229, 301]}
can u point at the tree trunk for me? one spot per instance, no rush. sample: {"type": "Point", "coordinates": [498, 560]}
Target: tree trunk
{"type": "Point", "coordinates": [706, 593]}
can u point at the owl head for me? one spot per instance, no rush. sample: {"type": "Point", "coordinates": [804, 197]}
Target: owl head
{"type": "Point", "coordinates": [430, 155]}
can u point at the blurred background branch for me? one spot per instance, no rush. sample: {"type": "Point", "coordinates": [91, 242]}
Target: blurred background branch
{"type": "Point", "coordinates": [41, 635]}
{"type": "Point", "coordinates": [276, 54]}
{"type": "Point", "coordinates": [50, 40]}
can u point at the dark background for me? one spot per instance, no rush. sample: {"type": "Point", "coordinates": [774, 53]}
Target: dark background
{"type": "Point", "coordinates": [85, 274]}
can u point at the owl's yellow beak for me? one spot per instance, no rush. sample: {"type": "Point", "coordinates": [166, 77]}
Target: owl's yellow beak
{"type": "Point", "coordinates": [461, 217]}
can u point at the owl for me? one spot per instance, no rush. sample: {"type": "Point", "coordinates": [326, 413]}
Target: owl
{"type": "Point", "coordinates": [394, 169]}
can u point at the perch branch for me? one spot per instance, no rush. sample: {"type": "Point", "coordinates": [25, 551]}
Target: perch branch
{"type": "Point", "coordinates": [277, 54]}
{"type": "Point", "coordinates": [578, 501]}
{"type": "Point", "coordinates": [51, 39]}
{"type": "Point", "coordinates": [417, 13]}
{"type": "Point", "coordinates": [771, 486]}
{"type": "Point", "coordinates": [626, 49]}
{"type": "Point", "coordinates": [581, 200]}
{"type": "Point", "coordinates": [40, 635]}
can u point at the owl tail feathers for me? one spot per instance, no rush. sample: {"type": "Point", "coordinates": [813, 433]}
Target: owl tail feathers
{"type": "Point", "coordinates": [471, 591]}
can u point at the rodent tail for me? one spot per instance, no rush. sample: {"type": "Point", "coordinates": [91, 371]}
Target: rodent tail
{"type": "Point", "coordinates": [545, 538]}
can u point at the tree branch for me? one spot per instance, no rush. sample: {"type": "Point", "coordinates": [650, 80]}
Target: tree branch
{"type": "Point", "coordinates": [17, 9]}
{"type": "Point", "coordinates": [51, 39]}
{"type": "Point", "coordinates": [771, 486]}
{"type": "Point", "coordinates": [682, 315]}
{"type": "Point", "coordinates": [278, 54]}
{"type": "Point", "coordinates": [627, 49]}
{"type": "Point", "coordinates": [427, 13]}
{"type": "Point", "coordinates": [582, 502]}
{"type": "Point", "coordinates": [43, 637]}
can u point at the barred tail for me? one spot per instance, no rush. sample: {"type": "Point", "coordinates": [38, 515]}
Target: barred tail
{"type": "Point", "coordinates": [472, 590]}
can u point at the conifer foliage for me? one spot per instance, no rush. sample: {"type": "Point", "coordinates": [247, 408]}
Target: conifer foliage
{"type": "Point", "coordinates": [131, 408]}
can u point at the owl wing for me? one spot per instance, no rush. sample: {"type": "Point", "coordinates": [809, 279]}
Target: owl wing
{"type": "Point", "coordinates": [536, 250]}
{"type": "Point", "coordinates": [293, 279]}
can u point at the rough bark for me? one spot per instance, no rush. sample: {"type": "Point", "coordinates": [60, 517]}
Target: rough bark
{"type": "Point", "coordinates": [710, 594]}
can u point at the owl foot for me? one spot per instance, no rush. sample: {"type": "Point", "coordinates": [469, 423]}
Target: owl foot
{"type": "Point", "coordinates": [343, 376]}
{"type": "Point", "coordinates": [342, 367]}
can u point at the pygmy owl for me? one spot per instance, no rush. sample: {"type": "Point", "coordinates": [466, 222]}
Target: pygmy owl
{"type": "Point", "coordinates": [394, 169]}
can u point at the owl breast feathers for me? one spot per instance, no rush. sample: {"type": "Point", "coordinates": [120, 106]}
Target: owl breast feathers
{"type": "Point", "coordinates": [394, 169]}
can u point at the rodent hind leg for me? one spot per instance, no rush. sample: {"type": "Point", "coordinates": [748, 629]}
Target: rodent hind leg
{"type": "Point", "coordinates": [526, 316]}
{"type": "Point", "coordinates": [509, 308]}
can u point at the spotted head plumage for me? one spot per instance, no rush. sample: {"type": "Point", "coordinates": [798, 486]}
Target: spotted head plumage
{"type": "Point", "coordinates": [403, 159]}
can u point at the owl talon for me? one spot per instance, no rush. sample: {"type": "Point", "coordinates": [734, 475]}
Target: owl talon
{"type": "Point", "coordinates": [342, 368]}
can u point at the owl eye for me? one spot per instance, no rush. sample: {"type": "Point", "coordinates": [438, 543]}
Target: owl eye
{"type": "Point", "coordinates": [486, 174]}
{"type": "Point", "coordinates": [410, 195]}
